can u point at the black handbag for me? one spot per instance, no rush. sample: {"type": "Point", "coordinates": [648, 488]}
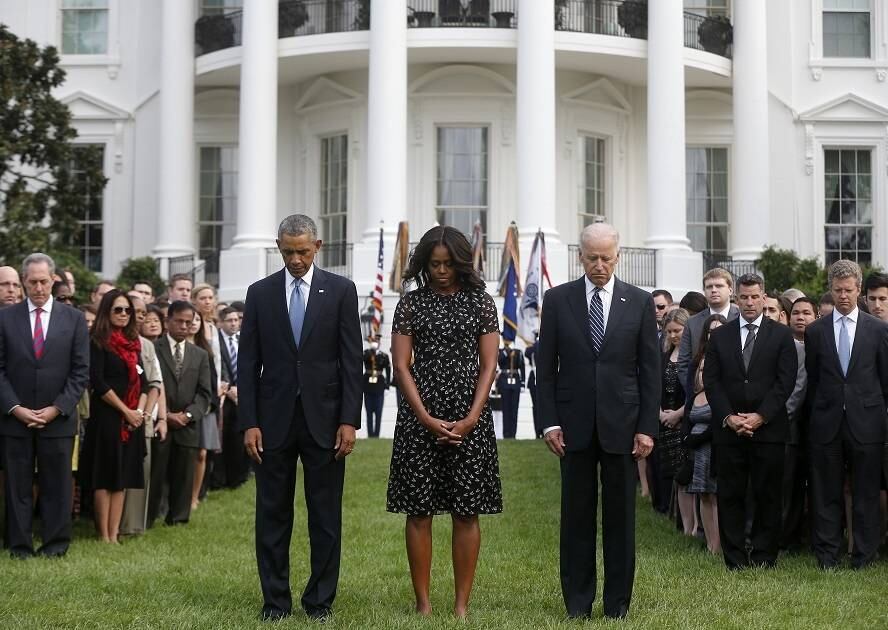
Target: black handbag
{"type": "Point", "coordinates": [685, 471]}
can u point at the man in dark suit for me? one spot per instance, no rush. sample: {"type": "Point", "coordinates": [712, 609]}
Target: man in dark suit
{"type": "Point", "coordinates": [598, 387]}
{"type": "Point", "coordinates": [44, 369]}
{"type": "Point", "coordinates": [377, 378]}
{"type": "Point", "coordinates": [718, 285]}
{"type": "Point", "coordinates": [235, 464]}
{"type": "Point", "coordinates": [846, 356]}
{"type": "Point", "coordinates": [749, 372]}
{"type": "Point", "coordinates": [299, 375]}
{"type": "Point", "coordinates": [186, 382]}
{"type": "Point", "coordinates": [509, 381]}
{"type": "Point", "coordinates": [530, 354]}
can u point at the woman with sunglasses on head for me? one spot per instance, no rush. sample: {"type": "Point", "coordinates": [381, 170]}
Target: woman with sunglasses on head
{"type": "Point", "coordinates": [116, 410]}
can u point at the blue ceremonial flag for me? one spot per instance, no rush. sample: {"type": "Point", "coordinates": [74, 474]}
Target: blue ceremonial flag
{"type": "Point", "coordinates": [510, 305]}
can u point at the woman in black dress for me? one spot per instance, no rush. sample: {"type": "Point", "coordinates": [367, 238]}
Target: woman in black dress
{"type": "Point", "coordinates": [444, 457]}
{"type": "Point", "coordinates": [119, 391]}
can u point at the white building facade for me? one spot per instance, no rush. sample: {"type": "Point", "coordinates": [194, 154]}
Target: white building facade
{"type": "Point", "coordinates": [704, 130]}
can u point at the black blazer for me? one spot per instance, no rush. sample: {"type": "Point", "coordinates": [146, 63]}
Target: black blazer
{"type": "Point", "coordinates": [763, 389]}
{"type": "Point", "coordinates": [325, 370]}
{"type": "Point", "coordinates": [191, 392]}
{"type": "Point", "coordinates": [616, 391]}
{"type": "Point", "coordinates": [58, 378]}
{"type": "Point", "coordinates": [860, 397]}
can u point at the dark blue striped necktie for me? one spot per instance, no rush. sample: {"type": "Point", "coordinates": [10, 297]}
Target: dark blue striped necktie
{"type": "Point", "coordinates": [596, 319]}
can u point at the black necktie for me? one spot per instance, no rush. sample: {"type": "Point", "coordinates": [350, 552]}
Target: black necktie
{"type": "Point", "coordinates": [749, 345]}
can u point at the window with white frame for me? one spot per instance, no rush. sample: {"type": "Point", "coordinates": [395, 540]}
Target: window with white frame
{"type": "Point", "coordinates": [217, 211]}
{"type": "Point", "coordinates": [848, 192]}
{"type": "Point", "coordinates": [462, 178]}
{"type": "Point", "coordinates": [84, 27]}
{"type": "Point", "coordinates": [708, 8]}
{"type": "Point", "coordinates": [88, 238]}
{"type": "Point", "coordinates": [220, 7]}
{"type": "Point", "coordinates": [592, 185]}
{"type": "Point", "coordinates": [334, 200]}
{"type": "Point", "coordinates": [706, 172]}
{"type": "Point", "coordinates": [846, 28]}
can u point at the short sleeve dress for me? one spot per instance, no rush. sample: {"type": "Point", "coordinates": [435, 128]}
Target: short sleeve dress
{"type": "Point", "coordinates": [426, 478]}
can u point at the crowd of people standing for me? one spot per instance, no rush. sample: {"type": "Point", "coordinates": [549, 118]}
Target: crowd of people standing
{"type": "Point", "coordinates": [145, 385]}
{"type": "Point", "coordinates": [773, 431]}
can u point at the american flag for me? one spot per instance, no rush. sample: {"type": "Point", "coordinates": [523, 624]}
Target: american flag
{"type": "Point", "coordinates": [377, 290]}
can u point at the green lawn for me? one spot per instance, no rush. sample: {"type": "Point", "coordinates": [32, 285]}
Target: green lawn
{"type": "Point", "coordinates": [204, 575]}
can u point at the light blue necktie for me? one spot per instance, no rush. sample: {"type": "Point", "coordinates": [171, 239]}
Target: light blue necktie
{"type": "Point", "coordinates": [297, 310]}
{"type": "Point", "coordinates": [844, 346]}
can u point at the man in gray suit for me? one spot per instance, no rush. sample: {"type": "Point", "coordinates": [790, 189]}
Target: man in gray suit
{"type": "Point", "coordinates": [44, 368]}
{"type": "Point", "coordinates": [186, 382]}
{"type": "Point", "coordinates": [598, 370]}
{"type": "Point", "coordinates": [718, 286]}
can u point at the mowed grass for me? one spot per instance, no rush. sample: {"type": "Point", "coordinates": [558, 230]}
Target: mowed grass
{"type": "Point", "coordinates": [204, 575]}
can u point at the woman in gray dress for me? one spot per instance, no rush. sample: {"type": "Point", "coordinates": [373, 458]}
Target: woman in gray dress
{"type": "Point", "coordinates": [699, 439]}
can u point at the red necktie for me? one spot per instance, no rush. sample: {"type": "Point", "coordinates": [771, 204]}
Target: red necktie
{"type": "Point", "coordinates": [38, 334]}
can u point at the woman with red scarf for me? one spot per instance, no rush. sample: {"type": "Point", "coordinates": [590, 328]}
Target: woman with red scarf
{"type": "Point", "coordinates": [119, 391]}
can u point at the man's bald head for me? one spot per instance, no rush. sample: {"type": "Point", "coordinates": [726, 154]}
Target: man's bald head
{"type": "Point", "coordinates": [10, 286]}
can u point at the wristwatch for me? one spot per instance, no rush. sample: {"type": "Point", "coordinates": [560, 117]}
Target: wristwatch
{"type": "Point", "coordinates": [189, 416]}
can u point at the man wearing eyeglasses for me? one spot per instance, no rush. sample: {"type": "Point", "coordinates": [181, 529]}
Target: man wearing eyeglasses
{"type": "Point", "coordinates": [10, 287]}
{"type": "Point", "coordinates": [662, 302]}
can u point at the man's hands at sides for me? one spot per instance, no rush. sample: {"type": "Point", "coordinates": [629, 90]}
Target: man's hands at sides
{"type": "Point", "coordinates": [641, 447]}
{"type": "Point", "coordinates": [345, 442]}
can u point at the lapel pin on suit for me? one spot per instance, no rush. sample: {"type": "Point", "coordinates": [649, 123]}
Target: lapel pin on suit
{"type": "Point", "coordinates": [622, 299]}
{"type": "Point", "coordinates": [320, 290]}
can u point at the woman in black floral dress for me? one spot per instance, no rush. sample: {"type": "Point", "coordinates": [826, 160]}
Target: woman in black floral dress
{"type": "Point", "coordinates": [444, 453]}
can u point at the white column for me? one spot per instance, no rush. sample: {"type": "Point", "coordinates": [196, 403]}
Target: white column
{"type": "Point", "coordinates": [535, 118]}
{"type": "Point", "coordinates": [678, 268]}
{"type": "Point", "coordinates": [245, 262]}
{"type": "Point", "coordinates": [175, 201]}
{"type": "Point", "coordinates": [386, 120]}
{"type": "Point", "coordinates": [750, 232]}
{"type": "Point", "coordinates": [386, 153]}
{"type": "Point", "coordinates": [257, 149]}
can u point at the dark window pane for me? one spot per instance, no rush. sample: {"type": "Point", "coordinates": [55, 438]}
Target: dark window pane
{"type": "Point", "coordinates": [831, 161]}
{"type": "Point", "coordinates": [832, 210]}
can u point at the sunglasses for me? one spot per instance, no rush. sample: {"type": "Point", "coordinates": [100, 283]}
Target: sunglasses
{"type": "Point", "coordinates": [65, 298]}
{"type": "Point", "coordinates": [120, 310]}
{"type": "Point", "coordinates": [660, 307]}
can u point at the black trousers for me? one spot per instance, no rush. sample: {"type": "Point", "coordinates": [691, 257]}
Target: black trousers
{"type": "Point", "coordinates": [275, 491]}
{"type": "Point", "coordinates": [579, 525]}
{"type": "Point", "coordinates": [757, 467]}
{"type": "Point", "coordinates": [537, 421]}
{"type": "Point", "coordinates": [54, 480]}
{"type": "Point", "coordinates": [235, 461]}
{"type": "Point", "coordinates": [828, 465]}
{"type": "Point", "coordinates": [172, 465]}
{"type": "Point", "coordinates": [373, 402]}
{"type": "Point", "coordinates": [510, 395]}
{"type": "Point", "coordinates": [795, 491]}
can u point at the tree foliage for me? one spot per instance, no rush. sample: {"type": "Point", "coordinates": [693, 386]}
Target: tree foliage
{"type": "Point", "coordinates": [140, 270]}
{"type": "Point", "coordinates": [41, 195]}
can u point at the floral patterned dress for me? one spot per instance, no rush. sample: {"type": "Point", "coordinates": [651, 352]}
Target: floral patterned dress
{"type": "Point", "coordinates": [426, 478]}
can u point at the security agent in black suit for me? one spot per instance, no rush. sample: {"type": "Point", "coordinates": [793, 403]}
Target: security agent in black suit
{"type": "Point", "coordinates": [186, 383]}
{"type": "Point", "coordinates": [44, 369]}
{"type": "Point", "coordinates": [599, 392]}
{"type": "Point", "coordinates": [509, 381]}
{"type": "Point", "coordinates": [235, 464]}
{"type": "Point", "coordinates": [299, 371]}
{"type": "Point", "coordinates": [530, 354]}
{"type": "Point", "coordinates": [377, 378]}
{"type": "Point", "coordinates": [749, 372]}
{"type": "Point", "coordinates": [846, 357]}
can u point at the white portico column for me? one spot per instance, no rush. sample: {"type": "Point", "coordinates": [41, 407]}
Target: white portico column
{"type": "Point", "coordinates": [535, 136]}
{"type": "Point", "coordinates": [386, 140]}
{"type": "Point", "coordinates": [677, 266]}
{"type": "Point", "coordinates": [175, 203]}
{"type": "Point", "coordinates": [750, 218]}
{"type": "Point", "coordinates": [245, 262]}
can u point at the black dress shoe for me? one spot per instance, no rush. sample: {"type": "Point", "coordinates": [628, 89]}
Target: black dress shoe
{"type": "Point", "coordinates": [617, 614]}
{"type": "Point", "coordinates": [19, 554]}
{"type": "Point", "coordinates": [52, 552]}
{"type": "Point", "coordinates": [273, 614]}
{"type": "Point", "coordinates": [321, 615]}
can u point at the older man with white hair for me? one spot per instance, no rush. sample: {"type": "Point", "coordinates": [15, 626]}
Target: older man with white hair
{"type": "Point", "coordinates": [598, 387]}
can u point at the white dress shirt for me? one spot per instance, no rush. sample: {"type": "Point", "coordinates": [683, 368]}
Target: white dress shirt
{"type": "Point", "coordinates": [44, 316]}
{"type": "Point", "coordinates": [606, 294]}
{"type": "Point", "coordinates": [173, 343]}
{"type": "Point", "coordinates": [744, 331]}
{"type": "Point", "coordinates": [305, 287]}
{"type": "Point", "coordinates": [724, 313]}
{"type": "Point", "coordinates": [850, 326]}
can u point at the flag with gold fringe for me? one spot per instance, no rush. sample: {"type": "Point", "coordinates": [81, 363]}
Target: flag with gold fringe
{"type": "Point", "coordinates": [399, 259]}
